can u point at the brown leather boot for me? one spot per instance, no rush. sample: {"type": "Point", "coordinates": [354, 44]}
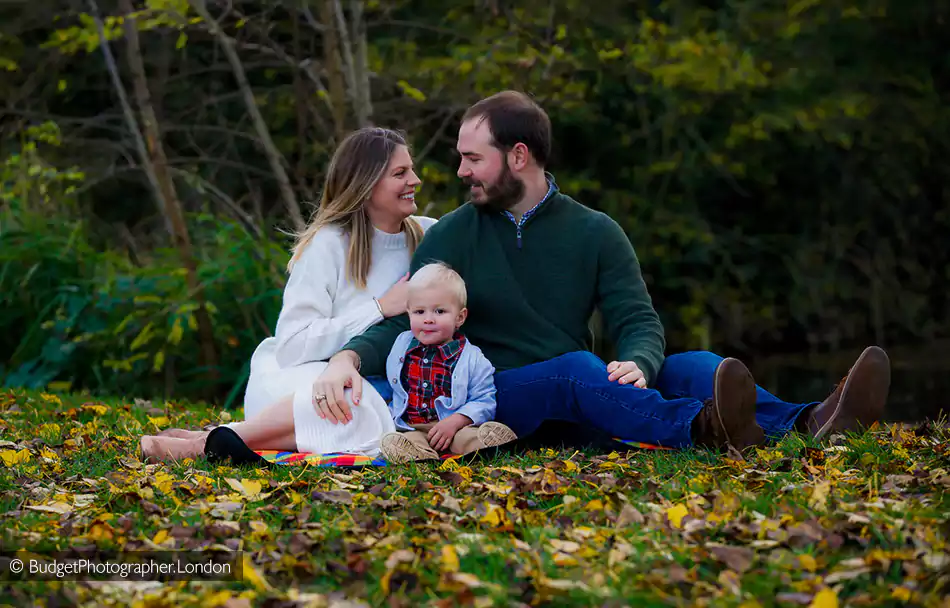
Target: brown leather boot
{"type": "Point", "coordinates": [857, 401]}
{"type": "Point", "coordinates": [729, 417]}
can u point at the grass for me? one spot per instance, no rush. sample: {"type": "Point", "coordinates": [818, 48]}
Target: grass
{"type": "Point", "coordinates": [860, 520]}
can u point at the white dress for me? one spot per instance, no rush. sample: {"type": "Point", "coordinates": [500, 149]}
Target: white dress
{"type": "Point", "coordinates": [321, 311]}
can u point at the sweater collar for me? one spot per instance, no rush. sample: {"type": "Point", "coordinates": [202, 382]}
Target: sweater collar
{"type": "Point", "coordinates": [385, 240]}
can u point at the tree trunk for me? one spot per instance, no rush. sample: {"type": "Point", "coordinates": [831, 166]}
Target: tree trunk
{"type": "Point", "coordinates": [274, 156]}
{"type": "Point", "coordinates": [334, 63]}
{"type": "Point", "coordinates": [172, 206]}
{"type": "Point", "coordinates": [362, 100]}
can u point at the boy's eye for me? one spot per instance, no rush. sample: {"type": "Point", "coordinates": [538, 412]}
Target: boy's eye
{"type": "Point", "coordinates": [418, 311]}
{"type": "Point", "coordinates": [440, 311]}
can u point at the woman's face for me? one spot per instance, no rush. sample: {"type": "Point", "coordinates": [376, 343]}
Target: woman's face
{"type": "Point", "coordinates": [394, 196]}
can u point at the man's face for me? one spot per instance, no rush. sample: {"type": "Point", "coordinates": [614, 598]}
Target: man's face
{"type": "Point", "coordinates": [484, 168]}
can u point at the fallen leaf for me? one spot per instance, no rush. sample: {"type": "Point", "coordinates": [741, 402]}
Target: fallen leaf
{"type": "Point", "coordinates": [629, 515]}
{"type": "Point", "coordinates": [12, 457]}
{"type": "Point", "coordinates": [675, 515]}
{"type": "Point", "coordinates": [450, 559]}
{"type": "Point", "coordinates": [736, 558]}
{"type": "Point", "coordinates": [55, 507]}
{"type": "Point", "coordinates": [826, 598]}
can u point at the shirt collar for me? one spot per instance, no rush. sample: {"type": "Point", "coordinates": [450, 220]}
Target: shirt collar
{"type": "Point", "coordinates": [448, 350]}
{"type": "Point", "coordinates": [552, 188]}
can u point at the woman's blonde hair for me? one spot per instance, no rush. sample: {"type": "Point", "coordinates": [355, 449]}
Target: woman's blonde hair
{"type": "Point", "coordinates": [358, 164]}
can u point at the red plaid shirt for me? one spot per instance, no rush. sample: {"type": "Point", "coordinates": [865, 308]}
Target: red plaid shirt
{"type": "Point", "coordinates": [427, 375]}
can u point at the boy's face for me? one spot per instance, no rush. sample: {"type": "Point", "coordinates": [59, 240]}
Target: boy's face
{"type": "Point", "coordinates": [434, 314]}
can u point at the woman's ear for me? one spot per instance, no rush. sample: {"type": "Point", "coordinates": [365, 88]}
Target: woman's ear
{"type": "Point", "coordinates": [460, 319]}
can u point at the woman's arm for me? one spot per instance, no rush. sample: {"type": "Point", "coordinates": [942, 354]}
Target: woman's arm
{"type": "Point", "coordinates": [306, 329]}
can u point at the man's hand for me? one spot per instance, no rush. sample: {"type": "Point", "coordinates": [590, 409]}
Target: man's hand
{"type": "Point", "coordinates": [626, 372]}
{"type": "Point", "coordinates": [328, 391]}
{"type": "Point", "coordinates": [441, 435]}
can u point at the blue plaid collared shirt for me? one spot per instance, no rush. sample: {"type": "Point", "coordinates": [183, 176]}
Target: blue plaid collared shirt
{"type": "Point", "coordinates": [552, 188]}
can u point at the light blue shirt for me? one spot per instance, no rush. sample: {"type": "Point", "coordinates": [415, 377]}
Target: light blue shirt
{"type": "Point", "coordinates": [473, 385]}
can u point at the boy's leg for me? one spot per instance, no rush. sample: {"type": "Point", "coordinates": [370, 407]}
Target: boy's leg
{"type": "Point", "coordinates": [466, 440]}
{"type": "Point", "coordinates": [487, 435]}
{"type": "Point", "coordinates": [690, 374]}
{"type": "Point", "coordinates": [574, 388]}
{"type": "Point", "coordinates": [405, 446]}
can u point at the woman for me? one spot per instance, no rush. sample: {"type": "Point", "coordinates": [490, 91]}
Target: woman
{"type": "Point", "coordinates": [348, 271]}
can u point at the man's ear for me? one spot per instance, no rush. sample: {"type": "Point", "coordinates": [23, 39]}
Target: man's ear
{"type": "Point", "coordinates": [518, 157]}
{"type": "Point", "coordinates": [460, 319]}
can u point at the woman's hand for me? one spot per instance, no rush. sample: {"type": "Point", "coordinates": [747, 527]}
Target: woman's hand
{"type": "Point", "coordinates": [329, 398]}
{"type": "Point", "coordinates": [393, 302]}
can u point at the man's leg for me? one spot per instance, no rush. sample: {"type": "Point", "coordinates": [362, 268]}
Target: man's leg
{"type": "Point", "coordinates": [691, 375]}
{"type": "Point", "coordinates": [858, 400]}
{"type": "Point", "coordinates": [574, 388]}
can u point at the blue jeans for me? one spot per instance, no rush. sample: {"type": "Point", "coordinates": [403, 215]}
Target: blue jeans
{"type": "Point", "coordinates": [381, 384]}
{"type": "Point", "coordinates": [691, 374]}
{"type": "Point", "coordinates": [574, 388]}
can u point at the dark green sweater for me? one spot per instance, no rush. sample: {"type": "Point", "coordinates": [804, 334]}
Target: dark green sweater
{"type": "Point", "coordinates": [533, 303]}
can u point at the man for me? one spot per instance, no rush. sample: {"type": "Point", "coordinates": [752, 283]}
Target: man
{"type": "Point", "coordinates": [536, 264]}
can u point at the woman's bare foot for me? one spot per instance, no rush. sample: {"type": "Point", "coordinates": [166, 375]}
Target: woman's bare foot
{"type": "Point", "coordinates": [156, 449]}
{"type": "Point", "coordinates": [181, 433]}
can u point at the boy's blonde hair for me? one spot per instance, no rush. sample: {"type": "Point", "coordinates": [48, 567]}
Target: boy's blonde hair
{"type": "Point", "coordinates": [439, 274]}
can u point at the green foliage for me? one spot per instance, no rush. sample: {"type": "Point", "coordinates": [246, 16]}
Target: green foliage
{"type": "Point", "coordinates": [777, 165]}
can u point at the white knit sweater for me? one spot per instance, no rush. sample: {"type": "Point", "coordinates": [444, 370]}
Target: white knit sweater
{"type": "Point", "coordinates": [322, 310]}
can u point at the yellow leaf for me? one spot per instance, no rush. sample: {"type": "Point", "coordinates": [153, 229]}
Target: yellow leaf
{"type": "Point", "coordinates": [826, 598]}
{"type": "Point", "coordinates": [247, 487]}
{"type": "Point", "coordinates": [160, 537]}
{"type": "Point", "coordinates": [570, 466]}
{"type": "Point", "coordinates": [808, 562]}
{"type": "Point", "coordinates": [595, 505]}
{"type": "Point", "coordinates": [450, 559]}
{"type": "Point", "coordinates": [901, 593]}
{"type": "Point", "coordinates": [819, 496]}
{"type": "Point", "coordinates": [250, 574]}
{"type": "Point", "coordinates": [13, 457]}
{"type": "Point", "coordinates": [411, 91]}
{"type": "Point", "coordinates": [216, 599]}
{"type": "Point", "coordinates": [49, 454]}
{"type": "Point", "coordinates": [676, 514]}
{"type": "Point", "coordinates": [158, 420]}
{"type": "Point", "coordinates": [563, 559]}
{"type": "Point", "coordinates": [95, 408]}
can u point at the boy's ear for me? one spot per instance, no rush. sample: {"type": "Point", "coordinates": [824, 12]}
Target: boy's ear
{"type": "Point", "coordinates": [463, 314]}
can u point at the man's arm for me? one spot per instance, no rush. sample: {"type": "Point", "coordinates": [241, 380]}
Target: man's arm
{"type": "Point", "coordinates": [625, 303]}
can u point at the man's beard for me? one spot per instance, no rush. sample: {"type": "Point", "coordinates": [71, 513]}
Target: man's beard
{"type": "Point", "coordinates": [500, 196]}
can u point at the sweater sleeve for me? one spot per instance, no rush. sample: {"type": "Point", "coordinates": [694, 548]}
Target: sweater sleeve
{"type": "Point", "coordinates": [373, 345]}
{"type": "Point", "coordinates": [625, 303]}
{"type": "Point", "coordinates": [306, 328]}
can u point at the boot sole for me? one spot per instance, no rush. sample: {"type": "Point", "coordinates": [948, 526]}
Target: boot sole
{"type": "Point", "coordinates": [404, 451]}
{"type": "Point", "coordinates": [494, 434]}
{"type": "Point", "coordinates": [732, 378]}
{"type": "Point", "coordinates": [873, 372]}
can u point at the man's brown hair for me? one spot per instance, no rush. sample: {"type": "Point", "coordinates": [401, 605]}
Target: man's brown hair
{"type": "Point", "coordinates": [513, 118]}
